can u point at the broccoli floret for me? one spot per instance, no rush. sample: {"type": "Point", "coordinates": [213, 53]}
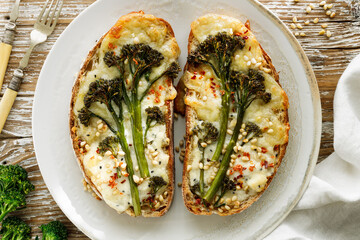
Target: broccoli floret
{"type": "Point", "coordinates": [14, 186]}
{"type": "Point", "coordinates": [226, 185]}
{"type": "Point", "coordinates": [109, 144]}
{"type": "Point", "coordinates": [252, 130]}
{"type": "Point", "coordinates": [218, 52]}
{"type": "Point", "coordinates": [206, 133]}
{"type": "Point", "coordinates": [248, 87]}
{"type": "Point", "coordinates": [156, 182]}
{"type": "Point", "coordinates": [154, 116]}
{"type": "Point", "coordinates": [195, 189]}
{"type": "Point", "coordinates": [13, 228]}
{"type": "Point", "coordinates": [54, 230]}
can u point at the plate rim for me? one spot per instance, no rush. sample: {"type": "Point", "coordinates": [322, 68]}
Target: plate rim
{"type": "Point", "coordinates": [315, 99]}
{"type": "Point", "coordinates": [316, 102]}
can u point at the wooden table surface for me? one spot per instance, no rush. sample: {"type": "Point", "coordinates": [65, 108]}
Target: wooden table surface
{"type": "Point", "coordinates": [328, 56]}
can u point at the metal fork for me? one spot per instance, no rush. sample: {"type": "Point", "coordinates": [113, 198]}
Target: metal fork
{"type": "Point", "coordinates": [43, 27]}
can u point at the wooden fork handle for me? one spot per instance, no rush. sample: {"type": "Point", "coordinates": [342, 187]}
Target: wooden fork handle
{"type": "Point", "coordinates": [6, 104]}
{"type": "Point", "coordinates": [10, 94]}
{"type": "Point", "coordinates": [5, 50]}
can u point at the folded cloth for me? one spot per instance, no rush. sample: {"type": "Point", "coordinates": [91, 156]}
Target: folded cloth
{"type": "Point", "coordinates": [330, 207]}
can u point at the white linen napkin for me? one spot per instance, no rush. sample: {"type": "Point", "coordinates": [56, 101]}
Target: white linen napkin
{"type": "Point", "coordinates": [330, 207]}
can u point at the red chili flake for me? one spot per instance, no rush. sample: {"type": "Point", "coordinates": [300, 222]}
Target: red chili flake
{"type": "Point", "coordinates": [246, 154]}
{"type": "Point", "coordinates": [198, 201]}
{"type": "Point", "coordinates": [238, 168]}
{"type": "Point", "coordinates": [193, 77]}
{"type": "Point", "coordinates": [276, 147]}
{"type": "Point", "coordinates": [245, 37]}
{"type": "Point", "coordinates": [263, 150]}
{"type": "Point", "coordinates": [111, 46]}
{"type": "Point", "coordinates": [239, 155]}
{"type": "Point", "coordinates": [246, 31]}
{"type": "Point", "coordinates": [202, 72]}
{"type": "Point", "coordinates": [195, 73]}
{"type": "Point", "coordinates": [271, 165]}
{"type": "Point", "coordinates": [123, 181]}
{"type": "Point", "coordinates": [201, 77]}
{"type": "Point", "coordinates": [112, 184]}
{"type": "Point", "coordinates": [217, 86]}
{"type": "Point", "coordinates": [264, 164]}
{"type": "Point", "coordinates": [152, 91]}
{"type": "Point", "coordinates": [231, 172]}
{"type": "Point", "coordinates": [157, 100]}
{"type": "Point", "coordinates": [114, 177]}
{"type": "Point", "coordinates": [222, 92]}
{"type": "Point", "coordinates": [212, 79]}
{"type": "Point", "coordinates": [251, 168]}
{"type": "Point", "coordinates": [214, 95]}
{"type": "Point", "coordinates": [148, 98]}
{"type": "Point", "coordinates": [237, 34]}
{"type": "Point", "coordinates": [161, 87]}
{"type": "Point", "coordinates": [98, 151]}
{"type": "Point", "coordinates": [136, 62]}
{"type": "Point", "coordinates": [130, 144]}
{"type": "Point", "coordinates": [112, 157]}
{"type": "Point", "coordinates": [249, 48]}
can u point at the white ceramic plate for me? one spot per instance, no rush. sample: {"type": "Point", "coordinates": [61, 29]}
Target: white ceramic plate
{"type": "Point", "coordinates": [62, 174]}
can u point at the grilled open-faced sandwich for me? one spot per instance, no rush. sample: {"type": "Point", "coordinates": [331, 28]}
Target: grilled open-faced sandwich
{"type": "Point", "coordinates": [236, 117]}
{"type": "Point", "coordinates": [121, 115]}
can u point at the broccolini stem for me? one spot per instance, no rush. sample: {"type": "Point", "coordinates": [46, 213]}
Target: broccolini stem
{"type": "Point", "coordinates": [210, 194]}
{"type": "Point", "coordinates": [129, 168]}
{"type": "Point", "coordinates": [137, 132]}
{"type": "Point", "coordinates": [145, 134]}
{"type": "Point", "coordinates": [224, 117]}
{"type": "Point", "coordinates": [202, 183]}
{"type": "Point", "coordinates": [120, 134]}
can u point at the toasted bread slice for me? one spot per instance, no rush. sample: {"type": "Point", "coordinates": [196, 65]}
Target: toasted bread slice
{"type": "Point", "coordinates": [254, 161]}
{"type": "Point", "coordinates": [105, 171]}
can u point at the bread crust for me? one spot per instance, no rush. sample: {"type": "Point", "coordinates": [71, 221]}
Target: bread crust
{"type": "Point", "coordinates": [190, 114]}
{"type": "Point", "coordinates": [165, 205]}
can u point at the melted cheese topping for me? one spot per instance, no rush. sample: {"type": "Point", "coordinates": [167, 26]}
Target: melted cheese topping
{"type": "Point", "coordinates": [130, 29]}
{"type": "Point", "coordinates": [253, 163]}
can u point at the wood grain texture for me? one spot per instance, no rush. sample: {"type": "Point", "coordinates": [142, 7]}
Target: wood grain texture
{"type": "Point", "coordinates": [329, 58]}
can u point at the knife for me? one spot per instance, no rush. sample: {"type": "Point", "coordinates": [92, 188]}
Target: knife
{"type": "Point", "coordinates": [6, 43]}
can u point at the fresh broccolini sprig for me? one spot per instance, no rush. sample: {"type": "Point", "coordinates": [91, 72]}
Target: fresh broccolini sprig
{"type": "Point", "coordinates": [139, 60]}
{"type": "Point", "coordinates": [217, 52]}
{"type": "Point", "coordinates": [109, 93]}
{"type": "Point", "coordinates": [246, 88]}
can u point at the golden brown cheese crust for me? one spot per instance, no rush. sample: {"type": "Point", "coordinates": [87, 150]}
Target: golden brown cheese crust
{"type": "Point", "coordinates": [115, 31]}
{"type": "Point", "coordinates": [190, 115]}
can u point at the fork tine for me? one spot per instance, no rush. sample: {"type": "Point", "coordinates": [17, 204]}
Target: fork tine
{"type": "Point", "coordinates": [49, 22]}
{"type": "Point", "coordinates": [42, 11]}
{"type": "Point", "coordinates": [46, 15]}
{"type": "Point", "coordinates": [58, 14]}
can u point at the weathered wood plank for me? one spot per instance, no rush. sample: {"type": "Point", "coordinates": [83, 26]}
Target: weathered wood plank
{"type": "Point", "coordinates": [329, 58]}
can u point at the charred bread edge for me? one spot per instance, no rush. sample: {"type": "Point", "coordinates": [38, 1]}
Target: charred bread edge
{"type": "Point", "coordinates": [189, 112]}
{"type": "Point", "coordinates": [169, 133]}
